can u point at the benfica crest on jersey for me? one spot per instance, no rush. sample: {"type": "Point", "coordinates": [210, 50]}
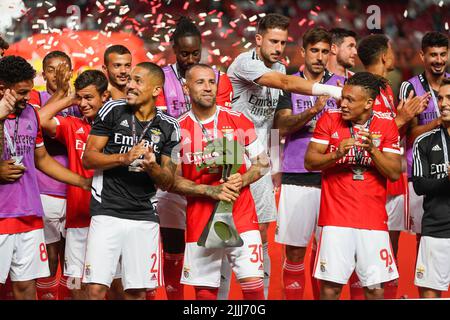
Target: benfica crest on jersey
{"type": "Point", "coordinates": [376, 139]}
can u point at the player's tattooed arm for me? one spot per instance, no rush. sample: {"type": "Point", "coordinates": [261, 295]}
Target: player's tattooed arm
{"type": "Point", "coordinates": [224, 191]}
{"type": "Point", "coordinates": [162, 175]}
{"type": "Point", "coordinates": [260, 166]}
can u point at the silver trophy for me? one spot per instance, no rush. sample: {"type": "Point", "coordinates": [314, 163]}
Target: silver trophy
{"type": "Point", "coordinates": [220, 231]}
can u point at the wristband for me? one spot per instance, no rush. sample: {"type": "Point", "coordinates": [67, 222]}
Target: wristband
{"type": "Point", "coordinates": [319, 89]}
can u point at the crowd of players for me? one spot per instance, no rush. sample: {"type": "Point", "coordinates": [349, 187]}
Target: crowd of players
{"type": "Point", "coordinates": [113, 183]}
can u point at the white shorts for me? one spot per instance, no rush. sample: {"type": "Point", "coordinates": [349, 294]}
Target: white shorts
{"type": "Point", "coordinates": [171, 209]}
{"type": "Point", "coordinates": [395, 207]}
{"type": "Point", "coordinates": [136, 244]}
{"type": "Point", "coordinates": [415, 209]}
{"type": "Point", "coordinates": [75, 252]}
{"type": "Point", "coordinates": [433, 263]}
{"type": "Point", "coordinates": [297, 214]}
{"type": "Point", "coordinates": [202, 266]}
{"type": "Point", "coordinates": [23, 256]}
{"type": "Point", "coordinates": [342, 250]}
{"type": "Point", "coordinates": [264, 196]}
{"type": "Point", "coordinates": [54, 218]}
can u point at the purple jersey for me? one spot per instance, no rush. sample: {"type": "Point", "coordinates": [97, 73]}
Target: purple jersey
{"type": "Point", "coordinates": [177, 101]}
{"type": "Point", "coordinates": [21, 198]}
{"type": "Point", "coordinates": [297, 142]}
{"type": "Point", "coordinates": [420, 85]}
{"type": "Point", "coordinates": [57, 150]}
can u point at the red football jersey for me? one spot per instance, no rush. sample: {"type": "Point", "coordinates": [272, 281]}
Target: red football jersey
{"type": "Point", "coordinates": [344, 201]}
{"type": "Point", "coordinates": [73, 133]}
{"type": "Point", "coordinates": [193, 142]}
{"type": "Point", "coordinates": [385, 103]}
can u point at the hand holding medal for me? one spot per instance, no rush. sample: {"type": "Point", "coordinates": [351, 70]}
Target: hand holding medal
{"type": "Point", "coordinates": [344, 147]}
{"type": "Point", "coordinates": [132, 157]}
{"type": "Point", "coordinates": [10, 172]}
{"type": "Point", "coordinates": [366, 142]}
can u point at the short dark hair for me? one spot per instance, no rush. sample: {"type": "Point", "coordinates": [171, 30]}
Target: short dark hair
{"type": "Point", "coordinates": [185, 28]}
{"type": "Point", "coordinates": [56, 54]}
{"type": "Point", "coordinates": [369, 81]}
{"type": "Point", "coordinates": [273, 21]}
{"type": "Point", "coordinates": [370, 48]}
{"type": "Point", "coordinates": [15, 69]}
{"type": "Point", "coordinates": [434, 39]}
{"type": "Point", "coordinates": [445, 82]}
{"type": "Point", "coordinates": [315, 35]}
{"type": "Point", "coordinates": [339, 34]}
{"type": "Point", "coordinates": [92, 77]}
{"type": "Point", "coordinates": [118, 48]}
{"type": "Point", "coordinates": [3, 44]}
{"type": "Point", "coordinates": [197, 65]}
{"type": "Point", "coordinates": [153, 69]}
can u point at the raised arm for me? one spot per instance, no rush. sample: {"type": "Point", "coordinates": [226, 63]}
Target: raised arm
{"type": "Point", "coordinates": [297, 84]}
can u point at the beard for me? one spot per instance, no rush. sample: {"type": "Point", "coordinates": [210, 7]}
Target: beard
{"type": "Point", "coordinates": [203, 104]}
{"type": "Point", "coordinates": [345, 64]}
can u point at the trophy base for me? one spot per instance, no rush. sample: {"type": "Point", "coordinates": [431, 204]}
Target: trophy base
{"type": "Point", "coordinates": [220, 232]}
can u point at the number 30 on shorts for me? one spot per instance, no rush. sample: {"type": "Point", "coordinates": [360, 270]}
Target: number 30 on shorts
{"type": "Point", "coordinates": [386, 257]}
{"type": "Point", "coordinates": [43, 252]}
{"type": "Point", "coordinates": [257, 253]}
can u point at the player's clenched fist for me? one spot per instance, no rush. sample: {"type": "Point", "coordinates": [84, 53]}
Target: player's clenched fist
{"type": "Point", "coordinates": [135, 152]}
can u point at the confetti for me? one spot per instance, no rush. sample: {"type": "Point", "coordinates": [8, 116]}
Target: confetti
{"type": "Point", "coordinates": [149, 55]}
{"type": "Point", "coordinates": [79, 55]}
{"type": "Point", "coordinates": [405, 14]}
{"type": "Point", "coordinates": [446, 26]}
{"type": "Point", "coordinates": [51, 10]}
{"type": "Point", "coordinates": [186, 5]}
{"type": "Point", "coordinates": [313, 13]}
{"type": "Point", "coordinates": [253, 18]}
{"type": "Point", "coordinates": [206, 33]}
{"type": "Point", "coordinates": [441, 3]}
{"type": "Point", "coordinates": [223, 59]}
{"type": "Point", "coordinates": [302, 22]}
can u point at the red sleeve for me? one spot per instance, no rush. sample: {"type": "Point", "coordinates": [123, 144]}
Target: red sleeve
{"type": "Point", "coordinates": [161, 101]}
{"type": "Point", "coordinates": [39, 136]}
{"type": "Point", "coordinates": [322, 132]}
{"type": "Point", "coordinates": [391, 141]}
{"type": "Point", "coordinates": [35, 98]}
{"type": "Point", "coordinates": [224, 91]}
{"type": "Point", "coordinates": [62, 128]}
